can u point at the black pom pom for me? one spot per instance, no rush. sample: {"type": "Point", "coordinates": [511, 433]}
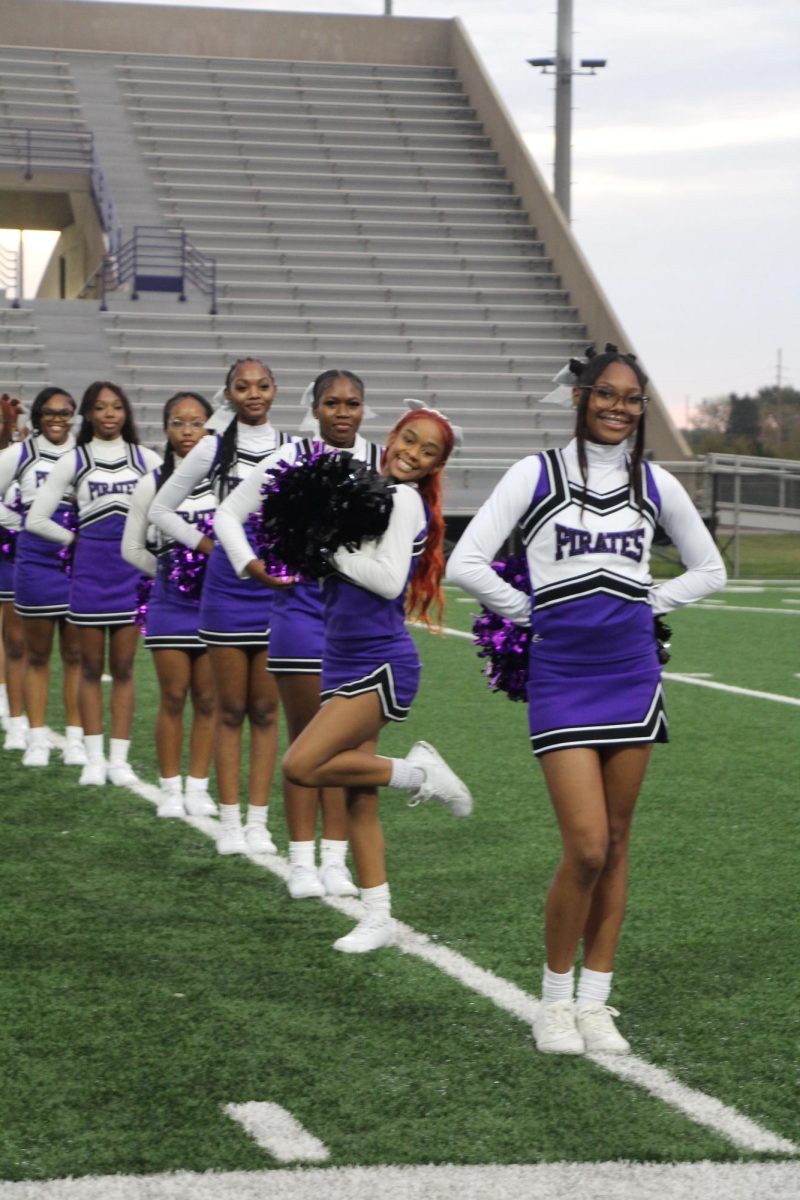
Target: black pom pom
{"type": "Point", "coordinates": [312, 506]}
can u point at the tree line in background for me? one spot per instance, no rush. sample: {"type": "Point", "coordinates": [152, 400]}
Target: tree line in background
{"type": "Point", "coordinates": [766, 424]}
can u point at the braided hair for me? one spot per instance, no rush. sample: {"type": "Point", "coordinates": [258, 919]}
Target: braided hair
{"type": "Point", "coordinates": [227, 443]}
{"type": "Point", "coordinates": [587, 373]}
{"type": "Point", "coordinates": [332, 374]}
{"type": "Point", "coordinates": [86, 433]}
{"type": "Point", "coordinates": [168, 465]}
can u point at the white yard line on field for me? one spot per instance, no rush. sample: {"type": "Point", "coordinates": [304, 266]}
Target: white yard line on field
{"type": "Point", "coordinates": [697, 1106]}
{"type": "Point", "coordinates": [278, 1132]}
{"type": "Point", "coordinates": [687, 678]}
{"type": "Point", "coordinates": [555, 1181]}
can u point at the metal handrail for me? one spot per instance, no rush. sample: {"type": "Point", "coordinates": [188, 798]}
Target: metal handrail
{"type": "Point", "coordinates": [11, 273]}
{"type": "Point", "coordinates": [46, 147]}
{"type": "Point", "coordinates": [158, 260]}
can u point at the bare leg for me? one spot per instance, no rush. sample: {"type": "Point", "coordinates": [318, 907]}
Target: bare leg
{"type": "Point", "coordinates": [14, 646]}
{"type": "Point", "coordinates": [623, 773]}
{"type": "Point", "coordinates": [69, 644]}
{"type": "Point", "coordinates": [300, 699]}
{"type": "Point", "coordinates": [173, 668]}
{"type": "Point", "coordinates": [230, 669]}
{"type": "Point", "coordinates": [123, 644]}
{"type": "Point", "coordinates": [92, 640]}
{"type": "Point", "coordinates": [329, 752]}
{"type": "Point", "coordinates": [262, 709]}
{"type": "Point", "coordinates": [201, 739]}
{"type": "Point", "coordinates": [39, 633]}
{"type": "Point", "coordinates": [366, 831]}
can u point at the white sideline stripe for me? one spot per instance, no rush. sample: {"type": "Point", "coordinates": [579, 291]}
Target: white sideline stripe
{"type": "Point", "coordinates": [720, 687]}
{"type": "Point", "coordinates": [618, 1180]}
{"type": "Point", "coordinates": [277, 1132]}
{"type": "Point", "coordinates": [721, 606]}
{"type": "Point", "coordinates": [697, 1106]}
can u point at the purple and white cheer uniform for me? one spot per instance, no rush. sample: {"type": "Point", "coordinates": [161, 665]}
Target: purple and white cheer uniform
{"type": "Point", "coordinates": [172, 616]}
{"type": "Point", "coordinates": [297, 630]}
{"type": "Point", "coordinates": [367, 645]}
{"type": "Point", "coordinates": [595, 678]}
{"type": "Point", "coordinates": [41, 587]}
{"type": "Point", "coordinates": [103, 475]}
{"type": "Point", "coordinates": [9, 519]}
{"type": "Point", "coordinates": [233, 611]}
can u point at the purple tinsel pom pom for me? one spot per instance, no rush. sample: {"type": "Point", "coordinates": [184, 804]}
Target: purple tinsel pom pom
{"type": "Point", "coordinates": [67, 553]}
{"type": "Point", "coordinates": [186, 568]}
{"type": "Point", "coordinates": [143, 589]}
{"type": "Point", "coordinates": [8, 537]}
{"type": "Point", "coordinates": [316, 504]}
{"type": "Point", "coordinates": [502, 642]}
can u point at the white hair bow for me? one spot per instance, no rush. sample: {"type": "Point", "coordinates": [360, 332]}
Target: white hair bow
{"type": "Point", "coordinates": [223, 413]}
{"type": "Point", "coordinates": [418, 405]}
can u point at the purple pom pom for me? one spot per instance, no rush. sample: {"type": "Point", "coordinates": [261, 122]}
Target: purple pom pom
{"type": "Point", "coordinates": [66, 554]}
{"type": "Point", "coordinates": [8, 537]}
{"type": "Point", "coordinates": [143, 589]}
{"type": "Point", "coordinates": [499, 640]}
{"type": "Point", "coordinates": [186, 568]}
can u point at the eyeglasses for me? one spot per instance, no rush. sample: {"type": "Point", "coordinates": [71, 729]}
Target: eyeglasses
{"type": "Point", "coordinates": [607, 397]}
{"type": "Point", "coordinates": [56, 414]}
{"type": "Point", "coordinates": [177, 423]}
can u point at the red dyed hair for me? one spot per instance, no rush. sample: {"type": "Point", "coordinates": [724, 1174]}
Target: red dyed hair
{"type": "Point", "coordinates": [425, 588]}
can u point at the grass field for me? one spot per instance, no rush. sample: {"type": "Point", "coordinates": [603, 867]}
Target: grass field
{"type": "Point", "coordinates": [147, 983]}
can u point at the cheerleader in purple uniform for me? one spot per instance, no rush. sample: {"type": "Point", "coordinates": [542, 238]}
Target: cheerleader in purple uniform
{"type": "Point", "coordinates": [234, 613]}
{"type": "Point", "coordinates": [586, 516]}
{"type": "Point", "coordinates": [41, 588]}
{"type": "Point", "coordinates": [179, 657]}
{"type": "Point", "coordinates": [370, 666]}
{"type": "Point", "coordinates": [12, 629]}
{"type": "Point", "coordinates": [103, 472]}
{"type": "Point", "coordinates": [297, 634]}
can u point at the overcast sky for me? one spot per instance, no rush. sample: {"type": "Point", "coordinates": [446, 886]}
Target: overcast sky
{"type": "Point", "coordinates": [686, 167]}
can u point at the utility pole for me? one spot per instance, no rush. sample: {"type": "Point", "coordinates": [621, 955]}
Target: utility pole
{"type": "Point", "coordinates": [561, 67]}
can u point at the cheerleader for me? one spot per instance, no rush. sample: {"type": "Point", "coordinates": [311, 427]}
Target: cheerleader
{"type": "Point", "coordinates": [103, 472]}
{"type": "Point", "coordinates": [41, 588]}
{"type": "Point", "coordinates": [179, 657]}
{"type": "Point", "coordinates": [234, 613]}
{"type": "Point", "coordinates": [297, 633]}
{"type": "Point", "coordinates": [371, 668]}
{"type": "Point", "coordinates": [13, 634]}
{"type": "Point", "coordinates": [586, 516]}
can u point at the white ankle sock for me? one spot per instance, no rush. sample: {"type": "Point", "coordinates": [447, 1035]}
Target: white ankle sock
{"type": "Point", "coordinates": [94, 746]}
{"type": "Point", "coordinates": [74, 733]}
{"type": "Point", "coordinates": [3, 699]}
{"type": "Point", "coordinates": [229, 816]}
{"type": "Point", "coordinates": [257, 815]}
{"type": "Point", "coordinates": [37, 736]}
{"type": "Point", "coordinates": [331, 852]}
{"type": "Point", "coordinates": [594, 987]}
{"type": "Point", "coordinates": [301, 854]}
{"type": "Point", "coordinates": [118, 751]}
{"type": "Point", "coordinates": [173, 784]}
{"type": "Point", "coordinates": [195, 785]}
{"type": "Point", "coordinates": [556, 986]}
{"type": "Point", "coordinates": [405, 777]}
{"type": "Point", "coordinates": [17, 724]}
{"type": "Point", "coordinates": [377, 899]}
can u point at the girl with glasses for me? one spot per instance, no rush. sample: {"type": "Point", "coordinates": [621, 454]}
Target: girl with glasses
{"type": "Point", "coordinates": [173, 614]}
{"type": "Point", "coordinates": [102, 473]}
{"type": "Point", "coordinates": [41, 588]}
{"type": "Point", "coordinates": [586, 516]}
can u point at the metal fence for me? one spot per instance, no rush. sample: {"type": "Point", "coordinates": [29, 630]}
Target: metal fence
{"type": "Point", "coordinates": [158, 260]}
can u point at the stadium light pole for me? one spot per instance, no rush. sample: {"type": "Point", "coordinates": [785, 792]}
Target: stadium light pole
{"type": "Point", "coordinates": [561, 67]}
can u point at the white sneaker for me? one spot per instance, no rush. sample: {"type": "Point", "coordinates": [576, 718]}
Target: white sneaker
{"type": "Point", "coordinates": [122, 775]}
{"type": "Point", "coordinates": [259, 840]}
{"type": "Point", "coordinates": [94, 773]}
{"type": "Point", "coordinates": [596, 1024]}
{"type": "Point", "coordinates": [440, 782]}
{"type": "Point", "coordinates": [16, 739]}
{"type": "Point", "coordinates": [376, 930]}
{"type": "Point", "coordinates": [336, 880]}
{"type": "Point", "coordinates": [37, 755]}
{"type": "Point", "coordinates": [74, 755]}
{"type": "Point", "coordinates": [231, 840]}
{"type": "Point", "coordinates": [555, 1030]}
{"type": "Point", "coordinates": [304, 883]}
{"type": "Point", "coordinates": [170, 804]}
{"type": "Point", "coordinates": [199, 804]}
